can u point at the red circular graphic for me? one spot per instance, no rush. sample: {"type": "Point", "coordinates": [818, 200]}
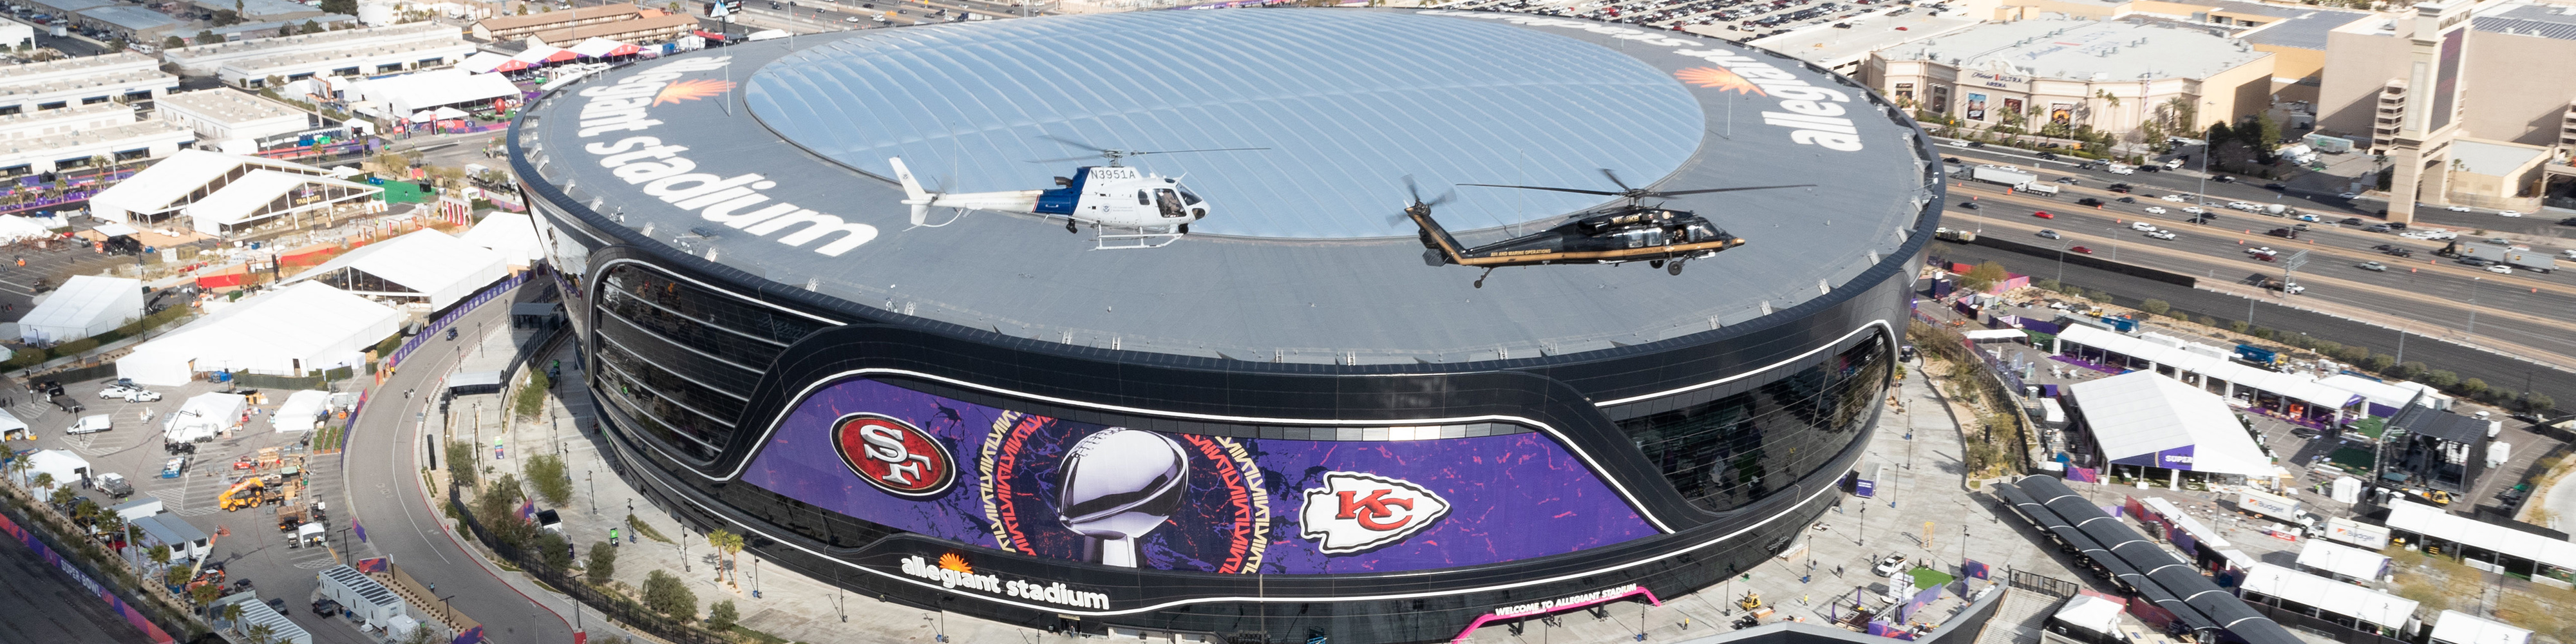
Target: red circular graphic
{"type": "Point", "coordinates": [894, 455]}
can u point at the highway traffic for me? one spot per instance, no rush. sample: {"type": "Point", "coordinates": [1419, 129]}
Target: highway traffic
{"type": "Point", "coordinates": [2522, 310]}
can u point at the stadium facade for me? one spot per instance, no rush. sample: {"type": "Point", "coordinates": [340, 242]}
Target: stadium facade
{"type": "Point", "coordinates": [1285, 425]}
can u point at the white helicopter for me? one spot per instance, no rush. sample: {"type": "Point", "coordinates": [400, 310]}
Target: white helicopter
{"type": "Point", "coordinates": [1128, 208]}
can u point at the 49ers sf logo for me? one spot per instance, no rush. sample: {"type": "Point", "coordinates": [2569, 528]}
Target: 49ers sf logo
{"type": "Point", "coordinates": [1355, 512]}
{"type": "Point", "coordinates": [894, 455]}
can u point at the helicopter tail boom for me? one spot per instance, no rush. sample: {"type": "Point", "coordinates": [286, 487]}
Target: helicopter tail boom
{"type": "Point", "coordinates": [1435, 236]}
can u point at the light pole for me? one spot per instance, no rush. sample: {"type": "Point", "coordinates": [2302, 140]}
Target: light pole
{"type": "Point", "coordinates": [2114, 238]}
{"type": "Point", "coordinates": [594, 490]}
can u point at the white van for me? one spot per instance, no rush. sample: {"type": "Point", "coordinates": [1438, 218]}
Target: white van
{"type": "Point", "coordinates": [90, 424]}
{"type": "Point", "coordinates": [2141, 226]}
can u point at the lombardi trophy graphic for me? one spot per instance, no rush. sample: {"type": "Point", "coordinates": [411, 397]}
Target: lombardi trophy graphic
{"type": "Point", "coordinates": [1116, 486]}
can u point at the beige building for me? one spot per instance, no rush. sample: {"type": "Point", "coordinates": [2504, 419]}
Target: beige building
{"type": "Point", "coordinates": [623, 22]}
{"type": "Point", "coordinates": [2517, 71]}
{"type": "Point", "coordinates": [2475, 104]}
{"type": "Point", "coordinates": [2112, 76]}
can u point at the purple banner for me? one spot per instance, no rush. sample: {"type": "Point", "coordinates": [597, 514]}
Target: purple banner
{"type": "Point", "coordinates": [1063, 489]}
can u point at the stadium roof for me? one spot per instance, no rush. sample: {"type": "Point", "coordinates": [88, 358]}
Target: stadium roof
{"type": "Point", "coordinates": [1341, 137]}
{"type": "Point", "coordinates": [1268, 289]}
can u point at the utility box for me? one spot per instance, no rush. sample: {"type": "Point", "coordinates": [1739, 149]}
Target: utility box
{"type": "Point", "coordinates": [368, 601]}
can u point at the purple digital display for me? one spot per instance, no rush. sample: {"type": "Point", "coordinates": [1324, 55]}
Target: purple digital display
{"type": "Point", "coordinates": [1047, 487]}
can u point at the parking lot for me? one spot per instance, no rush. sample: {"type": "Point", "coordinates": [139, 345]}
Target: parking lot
{"type": "Point", "coordinates": [1744, 18]}
{"type": "Point", "coordinates": [246, 541]}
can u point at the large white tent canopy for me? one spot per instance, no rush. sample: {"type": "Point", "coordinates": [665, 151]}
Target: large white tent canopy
{"type": "Point", "coordinates": [511, 234]}
{"type": "Point", "coordinates": [86, 305]}
{"type": "Point", "coordinates": [296, 330]}
{"type": "Point", "coordinates": [2332, 596]}
{"type": "Point", "coordinates": [2142, 418]}
{"type": "Point", "coordinates": [410, 93]}
{"type": "Point", "coordinates": [253, 196]}
{"type": "Point", "coordinates": [182, 179]}
{"type": "Point", "coordinates": [426, 264]}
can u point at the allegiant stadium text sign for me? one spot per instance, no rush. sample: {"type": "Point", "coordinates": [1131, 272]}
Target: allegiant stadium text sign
{"type": "Point", "coordinates": [1813, 114]}
{"type": "Point", "coordinates": [734, 201]}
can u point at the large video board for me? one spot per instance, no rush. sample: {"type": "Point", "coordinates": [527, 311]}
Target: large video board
{"type": "Point", "coordinates": [1394, 499]}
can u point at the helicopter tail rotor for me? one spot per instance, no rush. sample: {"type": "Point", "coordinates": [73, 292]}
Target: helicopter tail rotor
{"type": "Point", "coordinates": [913, 193]}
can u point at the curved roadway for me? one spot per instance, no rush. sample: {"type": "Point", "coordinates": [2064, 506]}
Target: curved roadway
{"type": "Point", "coordinates": [386, 496]}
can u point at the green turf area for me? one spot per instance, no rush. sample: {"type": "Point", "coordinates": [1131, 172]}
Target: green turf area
{"type": "Point", "coordinates": [2371, 427]}
{"type": "Point", "coordinates": [2351, 459]}
{"type": "Point", "coordinates": [1929, 578]}
{"type": "Point", "coordinates": [402, 192]}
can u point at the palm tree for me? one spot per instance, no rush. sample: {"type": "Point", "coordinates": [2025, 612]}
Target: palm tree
{"type": "Point", "coordinates": [233, 613]}
{"type": "Point", "coordinates": [44, 479]}
{"type": "Point", "coordinates": [259, 634]}
{"type": "Point", "coordinates": [726, 543]}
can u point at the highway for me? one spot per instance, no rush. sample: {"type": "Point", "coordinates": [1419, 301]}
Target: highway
{"type": "Point", "coordinates": [2524, 312]}
{"type": "Point", "coordinates": [2501, 370]}
{"type": "Point", "coordinates": [39, 603]}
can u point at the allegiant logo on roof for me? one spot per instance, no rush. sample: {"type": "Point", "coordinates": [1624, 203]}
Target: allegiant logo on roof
{"type": "Point", "coordinates": [664, 174]}
{"type": "Point", "coordinates": [1812, 114]}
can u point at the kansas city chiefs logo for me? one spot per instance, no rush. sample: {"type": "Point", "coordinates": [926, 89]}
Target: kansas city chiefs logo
{"type": "Point", "coordinates": [894, 456]}
{"type": "Point", "coordinates": [1356, 512]}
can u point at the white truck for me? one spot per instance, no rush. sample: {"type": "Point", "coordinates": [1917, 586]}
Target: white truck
{"type": "Point", "coordinates": [2297, 153]}
{"type": "Point", "coordinates": [2521, 259]}
{"type": "Point", "coordinates": [2041, 189]}
{"type": "Point", "coordinates": [2280, 508]}
{"type": "Point", "coordinates": [2003, 176]}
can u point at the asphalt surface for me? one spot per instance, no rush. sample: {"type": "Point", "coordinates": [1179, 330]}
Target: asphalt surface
{"type": "Point", "coordinates": [385, 495]}
{"type": "Point", "coordinates": [2523, 310]}
{"type": "Point", "coordinates": [39, 603]}
{"type": "Point", "coordinates": [2499, 370]}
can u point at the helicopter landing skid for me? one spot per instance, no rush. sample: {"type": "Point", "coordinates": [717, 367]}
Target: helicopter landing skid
{"type": "Point", "coordinates": [1143, 237]}
{"type": "Point", "coordinates": [1480, 279]}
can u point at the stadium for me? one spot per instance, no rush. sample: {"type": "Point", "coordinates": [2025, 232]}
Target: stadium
{"type": "Point", "coordinates": [1292, 421]}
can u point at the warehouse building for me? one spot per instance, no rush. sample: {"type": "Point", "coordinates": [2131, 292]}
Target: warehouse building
{"type": "Point", "coordinates": [205, 59]}
{"type": "Point", "coordinates": [234, 121]}
{"type": "Point", "coordinates": [124, 77]}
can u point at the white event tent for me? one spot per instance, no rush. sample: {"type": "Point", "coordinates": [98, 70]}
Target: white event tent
{"type": "Point", "coordinates": [511, 234]}
{"type": "Point", "coordinates": [2145, 419]}
{"type": "Point", "coordinates": [411, 93]}
{"type": "Point", "coordinates": [423, 266]}
{"type": "Point", "coordinates": [293, 331]}
{"type": "Point", "coordinates": [86, 305]}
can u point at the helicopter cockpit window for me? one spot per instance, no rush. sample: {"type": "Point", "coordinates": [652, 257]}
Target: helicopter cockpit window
{"type": "Point", "coordinates": [1169, 202]}
{"type": "Point", "coordinates": [1189, 197]}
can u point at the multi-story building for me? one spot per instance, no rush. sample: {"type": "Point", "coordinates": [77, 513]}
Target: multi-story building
{"type": "Point", "coordinates": [2502, 74]}
{"type": "Point", "coordinates": [79, 136]}
{"type": "Point", "coordinates": [207, 59]}
{"type": "Point", "coordinates": [257, 72]}
{"type": "Point", "coordinates": [2112, 76]}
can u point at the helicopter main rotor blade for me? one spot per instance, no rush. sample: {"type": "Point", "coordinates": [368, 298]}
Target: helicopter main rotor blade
{"type": "Point", "coordinates": [1181, 151]}
{"type": "Point", "coordinates": [1573, 190]}
{"type": "Point", "coordinates": [1085, 157]}
{"type": "Point", "coordinates": [1073, 143]}
{"type": "Point", "coordinates": [1614, 179]}
{"type": "Point", "coordinates": [1676, 193]}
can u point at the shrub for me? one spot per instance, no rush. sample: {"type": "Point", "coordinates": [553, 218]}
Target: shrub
{"type": "Point", "coordinates": [2473, 386]}
{"type": "Point", "coordinates": [460, 463]}
{"type": "Point", "coordinates": [721, 617]}
{"type": "Point", "coordinates": [552, 479]}
{"type": "Point", "coordinates": [2441, 379]}
{"type": "Point", "coordinates": [2155, 307]}
{"type": "Point", "coordinates": [531, 399]}
{"type": "Point", "coordinates": [2412, 369]}
{"type": "Point", "coordinates": [664, 593]}
{"type": "Point", "coordinates": [2207, 321]}
{"type": "Point", "coordinates": [554, 549]}
{"type": "Point", "coordinates": [2538, 402]}
{"type": "Point", "coordinates": [601, 565]}
{"type": "Point", "coordinates": [2047, 285]}
{"type": "Point", "coordinates": [2380, 362]}
{"type": "Point", "coordinates": [1983, 276]}
{"type": "Point", "coordinates": [2261, 332]}
{"type": "Point", "coordinates": [2329, 348]}
{"type": "Point", "coordinates": [2238, 326]}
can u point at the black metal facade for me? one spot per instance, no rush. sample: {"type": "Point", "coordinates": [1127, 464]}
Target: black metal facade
{"type": "Point", "coordinates": [1734, 439]}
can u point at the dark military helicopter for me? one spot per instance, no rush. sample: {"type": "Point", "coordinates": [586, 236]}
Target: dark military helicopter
{"type": "Point", "coordinates": [1629, 232]}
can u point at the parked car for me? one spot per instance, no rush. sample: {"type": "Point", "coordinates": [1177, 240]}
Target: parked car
{"type": "Point", "coordinates": [2457, 208]}
{"type": "Point", "coordinates": [2509, 213]}
{"type": "Point", "coordinates": [1889, 566]}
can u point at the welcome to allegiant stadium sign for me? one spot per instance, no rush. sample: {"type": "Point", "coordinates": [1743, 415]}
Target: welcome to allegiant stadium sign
{"type": "Point", "coordinates": [665, 174]}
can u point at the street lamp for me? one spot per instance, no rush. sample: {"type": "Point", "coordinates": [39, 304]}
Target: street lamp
{"type": "Point", "coordinates": [2473, 309]}
{"type": "Point", "coordinates": [2114, 238]}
